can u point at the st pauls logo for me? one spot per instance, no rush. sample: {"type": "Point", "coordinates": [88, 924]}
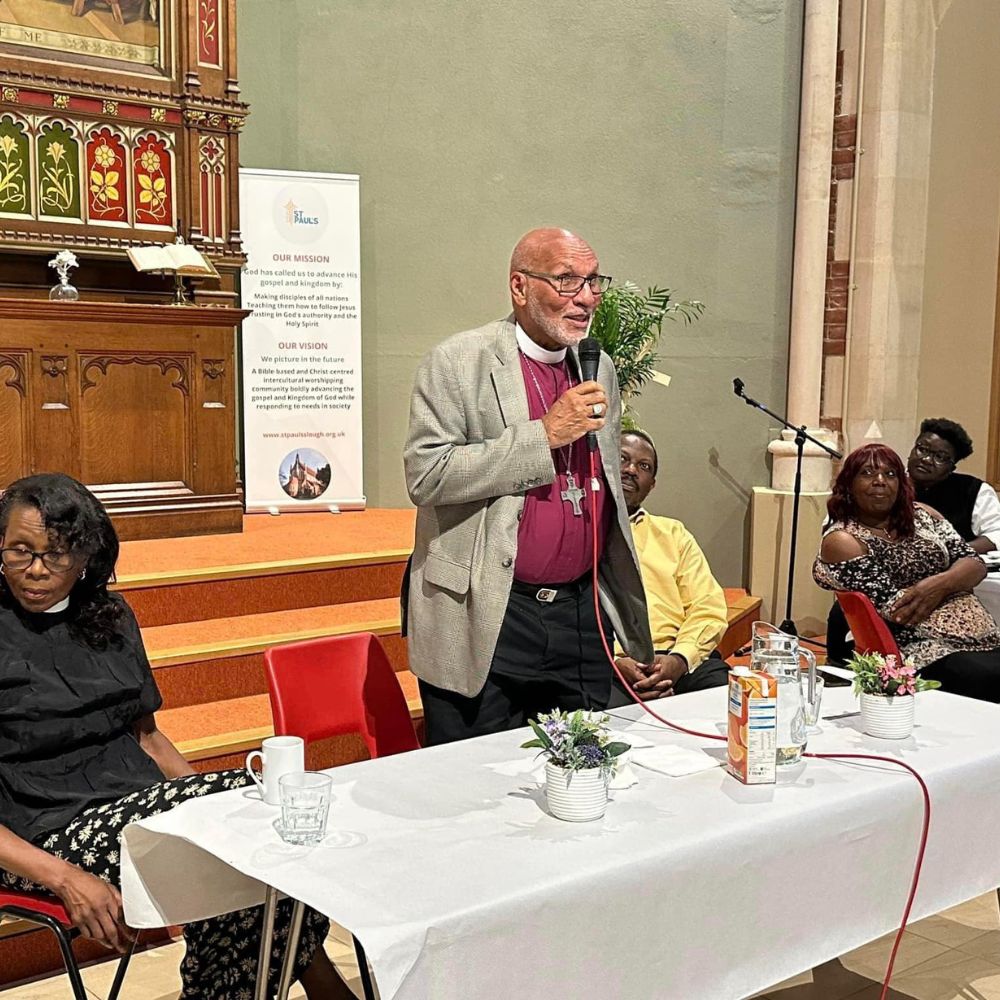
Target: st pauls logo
{"type": "Point", "coordinates": [299, 213]}
{"type": "Point", "coordinates": [294, 216]}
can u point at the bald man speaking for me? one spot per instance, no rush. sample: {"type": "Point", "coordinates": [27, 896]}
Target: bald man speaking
{"type": "Point", "coordinates": [499, 605]}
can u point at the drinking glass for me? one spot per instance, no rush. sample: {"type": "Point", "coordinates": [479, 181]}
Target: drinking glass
{"type": "Point", "coordinates": [305, 804]}
{"type": "Point", "coordinates": [812, 708]}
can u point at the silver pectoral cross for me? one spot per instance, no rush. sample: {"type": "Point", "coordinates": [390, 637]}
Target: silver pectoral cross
{"type": "Point", "coordinates": [573, 494]}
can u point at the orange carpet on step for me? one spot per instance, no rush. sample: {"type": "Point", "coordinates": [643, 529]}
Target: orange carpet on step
{"type": "Point", "coordinates": [283, 625]}
{"type": "Point", "coordinates": [267, 539]}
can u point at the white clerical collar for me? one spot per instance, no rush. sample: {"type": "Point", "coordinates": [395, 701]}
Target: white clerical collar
{"type": "Point", "coordinates": [61, 606]}
{"type": "Point", "coordinates": [535, 351]}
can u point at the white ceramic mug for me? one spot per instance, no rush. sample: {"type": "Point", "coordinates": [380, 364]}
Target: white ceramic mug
{"type": "Point", "coordinates": [279, 755]}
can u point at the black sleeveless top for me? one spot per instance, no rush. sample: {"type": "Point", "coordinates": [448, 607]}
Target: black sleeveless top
{"type": "Point", "coordinates": [66, 721]}
{"type": "Point", "coordinates": [954, 499]}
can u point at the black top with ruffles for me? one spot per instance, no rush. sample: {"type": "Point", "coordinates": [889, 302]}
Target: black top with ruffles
{"type": "Point", "coordinates": [67, 717]}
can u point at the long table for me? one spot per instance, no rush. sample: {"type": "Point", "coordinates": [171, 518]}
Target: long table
{"type": "Point", "coordinates": [445, 864]}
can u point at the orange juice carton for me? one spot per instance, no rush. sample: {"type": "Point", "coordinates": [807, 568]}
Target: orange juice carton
{"type": "Point", "coordinates": [753, 719]}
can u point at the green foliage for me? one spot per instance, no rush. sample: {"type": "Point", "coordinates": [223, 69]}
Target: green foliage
{"type": "Point", "coordinates": [885, 675]}
{"type": "Point", "coordinates": [628, 325]}
{"type": "Point", "coordinates": [576, 741]}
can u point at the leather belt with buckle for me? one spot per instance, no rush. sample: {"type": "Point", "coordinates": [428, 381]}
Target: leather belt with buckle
{"type": "Point", "coordinates": [546, 595]}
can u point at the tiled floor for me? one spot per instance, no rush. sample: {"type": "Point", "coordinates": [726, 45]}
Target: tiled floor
{"type": "Point", "coordinates": [153, 975]}
{"type": "Point", "coordinates": [952, 956]}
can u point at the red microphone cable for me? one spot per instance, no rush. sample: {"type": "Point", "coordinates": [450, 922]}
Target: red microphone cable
{"type": "Point", "coordinates": [926, 821]}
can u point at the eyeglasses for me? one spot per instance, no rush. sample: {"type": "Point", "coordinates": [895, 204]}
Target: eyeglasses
{"type": "Point", "coordinates": [570, 284]}
{"type": "Point", "coordinates": [937, 457]}
{"type": "Point", "coordinates": [54, 562]}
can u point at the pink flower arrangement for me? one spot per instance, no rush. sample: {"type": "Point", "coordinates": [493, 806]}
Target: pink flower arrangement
{"type": "Point", "coordinates": [886, 675]}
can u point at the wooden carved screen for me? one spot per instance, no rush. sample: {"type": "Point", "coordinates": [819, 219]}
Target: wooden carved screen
{"type": "Point", "coordinates": [119, 126]}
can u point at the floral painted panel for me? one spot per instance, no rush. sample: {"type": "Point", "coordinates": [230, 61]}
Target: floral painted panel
{"type": "Point", "coordinates": [152, 165]}
{"type": "Point", "coordinates": [208, 32]}
{"type": "Point", "coordinates": [15, 167]}
{"type": "Point", "coordinates": [107, 174]}
{"type": "Point", "coordinates": [58, 173]}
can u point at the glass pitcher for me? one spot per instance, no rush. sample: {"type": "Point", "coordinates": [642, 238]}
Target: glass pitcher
{"type": "Point", "coordinates": [777, 653]}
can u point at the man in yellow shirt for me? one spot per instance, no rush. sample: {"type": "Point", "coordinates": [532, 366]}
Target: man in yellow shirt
{"type": "Point", "coordinates": [687, 607]}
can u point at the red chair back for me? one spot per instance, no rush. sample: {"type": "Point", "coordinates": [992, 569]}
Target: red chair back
{"type": "Point", "coordinates": [869, 628]}
{"type": "Point", "coordinates": [339, 685]}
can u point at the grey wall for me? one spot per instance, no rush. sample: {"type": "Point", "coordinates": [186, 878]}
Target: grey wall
{"type": "Point", "coordinates": [663, 131]}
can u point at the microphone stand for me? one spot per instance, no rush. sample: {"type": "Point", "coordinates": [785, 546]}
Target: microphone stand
{"type": "Point", "coordinates": [801, 436]}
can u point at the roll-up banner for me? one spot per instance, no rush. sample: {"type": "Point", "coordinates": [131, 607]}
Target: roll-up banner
{"type": "Point", "coordinates": [302, 342]}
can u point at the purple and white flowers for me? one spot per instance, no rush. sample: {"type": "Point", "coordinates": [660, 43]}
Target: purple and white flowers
{"type": "Point", "coordinates": [576, 741]}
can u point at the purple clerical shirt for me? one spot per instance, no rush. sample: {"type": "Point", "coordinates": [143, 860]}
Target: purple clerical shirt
{"type": "Point", "coordinates": [553, 544]}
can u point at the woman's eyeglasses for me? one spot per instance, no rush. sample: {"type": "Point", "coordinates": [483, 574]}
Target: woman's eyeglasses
{"type": "Point", "coordinates": [54, 561]}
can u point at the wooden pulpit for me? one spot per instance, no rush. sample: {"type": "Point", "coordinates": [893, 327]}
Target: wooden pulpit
{"type": "Point", "coordinates": [136, 401]}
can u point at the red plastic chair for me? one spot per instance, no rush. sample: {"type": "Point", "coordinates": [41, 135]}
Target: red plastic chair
{"type": "Point", "coordinates": [870, 630]}
{"type": "Point", "coordinates": [47, 911]}
{"type": "Point", "coordinates": [334, 686]}
{"type": "Point", "coordinates": [338, 685]}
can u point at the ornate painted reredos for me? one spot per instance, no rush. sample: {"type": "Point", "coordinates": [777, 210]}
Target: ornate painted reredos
{"type": "Point", "coordinates": [119, 126]}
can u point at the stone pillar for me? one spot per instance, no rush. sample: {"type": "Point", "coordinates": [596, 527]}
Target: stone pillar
{"type": "Point", "coordinates": [890, 245]}
{"type": "Point", "coordinates": [812, 223]}
{"type": "Point", "coordinates": [771, 509]}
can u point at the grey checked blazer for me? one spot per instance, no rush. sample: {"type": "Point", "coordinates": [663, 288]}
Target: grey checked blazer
{"type": "Point", "coordinates": [471, 453]}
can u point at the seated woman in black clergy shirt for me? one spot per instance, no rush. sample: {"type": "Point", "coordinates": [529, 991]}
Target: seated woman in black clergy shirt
{"type": "Point", "coordinates": [80, 754]}
{"type": "Point", "coordinates": [968, 503]}
{"type": "Point", "coordinates": [915, 568]}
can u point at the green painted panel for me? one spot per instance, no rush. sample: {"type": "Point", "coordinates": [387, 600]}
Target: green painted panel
{"type": "Point", "coordinates": [15, 168]}
{"type": "Point", "coordinates": [58, 174]}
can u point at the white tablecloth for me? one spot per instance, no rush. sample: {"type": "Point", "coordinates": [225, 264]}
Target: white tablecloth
{"type": "Point", "coordinates": [989, 593]}
{"type": "Point", "coordinates": [460, 885]}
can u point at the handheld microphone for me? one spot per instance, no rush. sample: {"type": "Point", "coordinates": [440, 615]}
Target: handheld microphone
{"type": "Point", "coordinates": [590, 356]}
{"type": "Point", "coordinates": [738, 386]}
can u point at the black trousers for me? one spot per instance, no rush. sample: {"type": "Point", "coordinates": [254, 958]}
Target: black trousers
{"type": "Point", "coordinates": [547, 656]}
{"type": "Point", "coordinates": [973, 675]}
{"type": "Point", "coordinates": [712, 672]}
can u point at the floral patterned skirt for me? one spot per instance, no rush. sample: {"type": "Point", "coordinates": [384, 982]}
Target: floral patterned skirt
{"type": "Point", "coordinates": [221, 958]}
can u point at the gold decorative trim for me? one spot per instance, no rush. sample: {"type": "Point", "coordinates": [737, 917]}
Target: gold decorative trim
{"type": "Point", "coordinates": [236, 122]}
{"type": "Point", "coordinates": [110, 108]}
{"type": "Point", "coordinates": [158, 114]}
{"type": "Point", "coordinates": [11, 95]}
{"type": "Point", "coordinates": [195, 117]}
{"type": "Point", "coordinates": [60, 101]}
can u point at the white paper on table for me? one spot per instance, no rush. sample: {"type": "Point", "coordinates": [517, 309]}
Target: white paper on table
{"type": "Point", "coordinates": [624, 777]}
{"type": "Point", "coordinates": [634, 740]}
{"type": "Point", "coordinates": [674, 761]}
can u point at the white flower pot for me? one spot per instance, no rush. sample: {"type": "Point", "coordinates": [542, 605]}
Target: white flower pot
{"type": "Point", "coordinates": [577, 796]}
{"type": "Point", "coordinates": [888, 718]}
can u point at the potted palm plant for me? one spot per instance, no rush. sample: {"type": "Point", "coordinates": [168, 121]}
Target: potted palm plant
{"type": "Point", "coordinates": [628, 324]}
